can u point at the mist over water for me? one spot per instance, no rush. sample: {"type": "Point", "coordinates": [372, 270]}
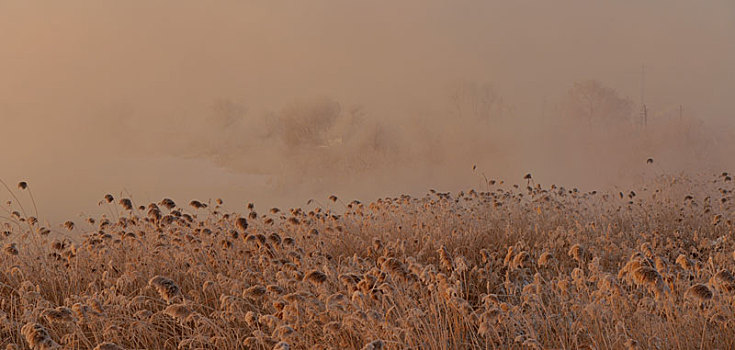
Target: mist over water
{"type": "Point", "coordinates": [280, 103]}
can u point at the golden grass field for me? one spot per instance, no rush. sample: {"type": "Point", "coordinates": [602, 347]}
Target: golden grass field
{"type": "Point", "coordinates": [508, 267]}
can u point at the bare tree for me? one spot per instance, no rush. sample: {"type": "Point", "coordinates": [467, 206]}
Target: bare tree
{"type": "Point", "coordinates": [226, 113]}
{"type": "Point", "coordinates": [307, 123]}
{"type": "Point", "coordinates": [476, 101]}
{"type": "Point", "coordinates": [595, 104]}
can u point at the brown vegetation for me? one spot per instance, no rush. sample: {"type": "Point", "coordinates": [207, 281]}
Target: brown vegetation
{"type": "Point", "coordinates": [509, 267]}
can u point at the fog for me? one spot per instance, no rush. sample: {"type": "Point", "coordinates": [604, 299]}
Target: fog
{"type": "Point", "coordinates": [280, 102]}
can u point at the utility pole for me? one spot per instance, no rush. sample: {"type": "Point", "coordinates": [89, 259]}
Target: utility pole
{"type": "Point", "coordinates": [644, 109]}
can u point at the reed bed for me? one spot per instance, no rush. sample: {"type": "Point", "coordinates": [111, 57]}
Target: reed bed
{"type": "Point", "coordinates": [509, 267]}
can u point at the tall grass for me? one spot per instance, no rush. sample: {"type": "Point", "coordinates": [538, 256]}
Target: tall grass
{"type": "Point", "coordinates": [511, 267]}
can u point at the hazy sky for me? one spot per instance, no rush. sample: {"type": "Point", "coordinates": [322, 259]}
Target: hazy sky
{"type": "Point", "coordinates": [111, 96]}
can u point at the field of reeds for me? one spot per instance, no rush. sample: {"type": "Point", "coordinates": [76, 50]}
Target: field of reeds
{"type": "Point", "coordinates": [508, 266]}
